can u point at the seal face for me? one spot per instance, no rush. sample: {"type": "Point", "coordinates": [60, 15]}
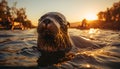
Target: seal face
{"type": "Point", "coordinates": [53, 39]}
{"type": "Point", "coordinates": [52, 33]}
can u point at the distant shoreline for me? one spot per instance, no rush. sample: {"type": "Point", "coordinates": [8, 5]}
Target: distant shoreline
{"type": "Point", "coordinates": [4, 28]}
{"type": "Point", "coordinates": [97, 24]}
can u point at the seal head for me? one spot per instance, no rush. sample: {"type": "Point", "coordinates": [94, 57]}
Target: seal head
{"type": "Point", "coordinates": [53, 33]}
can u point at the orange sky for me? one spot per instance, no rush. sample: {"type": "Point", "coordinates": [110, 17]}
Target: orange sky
{"type": "Point", "coordinates": [74, 10]}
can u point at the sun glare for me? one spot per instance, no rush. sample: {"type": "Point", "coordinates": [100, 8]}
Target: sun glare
{"type": "Point", "coordinates": [91, 17]}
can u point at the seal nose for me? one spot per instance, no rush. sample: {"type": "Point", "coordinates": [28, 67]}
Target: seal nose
{"type": "Point", "coordinates": [47, 21]}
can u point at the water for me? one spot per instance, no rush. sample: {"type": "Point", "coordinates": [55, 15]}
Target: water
{"type": "Point", "coordinates": [17, 50]}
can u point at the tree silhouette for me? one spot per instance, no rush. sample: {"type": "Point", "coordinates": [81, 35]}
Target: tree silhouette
{"type": "Point", "coordinates": [84, 23]}
{"type": "Point", "coordinates": [108, 15]}
{"type": "Point", "coordinates": [4, 14]}
{"type": "Point", "coordinates": [101, 16]}
{"type": "Point", "coordinates": [111, 14]}
{"type": "Point", "coordinates": [116, 11]}
{"type": "Point", "coordinates": [9, 15]}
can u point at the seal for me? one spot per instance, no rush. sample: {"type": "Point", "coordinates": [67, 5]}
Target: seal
{"type": "Point", "coordinates": [53, 40]}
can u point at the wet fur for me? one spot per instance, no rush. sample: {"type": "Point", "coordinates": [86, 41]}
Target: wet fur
{"type": "Point", "coordinates": [61, 42]}
{"type": "Point", "coordinates": [54, 42]}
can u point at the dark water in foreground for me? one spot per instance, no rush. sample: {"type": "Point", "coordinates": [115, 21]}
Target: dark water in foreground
{"type": "Point", "coordinates": [17, 50]}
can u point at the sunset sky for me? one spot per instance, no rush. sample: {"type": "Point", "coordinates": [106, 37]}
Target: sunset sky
{"type": "Point", "coordinates": [74, 10]}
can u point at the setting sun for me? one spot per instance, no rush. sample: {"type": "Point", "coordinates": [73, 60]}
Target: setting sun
{"type": "Point", "coordinates": [91, 16]}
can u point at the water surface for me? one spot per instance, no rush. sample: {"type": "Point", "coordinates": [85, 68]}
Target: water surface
{"type": "Point", "coordinates": [17, 50]}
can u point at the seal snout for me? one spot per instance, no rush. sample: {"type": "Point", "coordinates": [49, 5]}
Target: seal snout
{"type": "Point", "coordinates": [46, 23]}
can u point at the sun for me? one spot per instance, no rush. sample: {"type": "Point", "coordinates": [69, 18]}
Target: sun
{"type": "Point", "coordinates": [90, 16]}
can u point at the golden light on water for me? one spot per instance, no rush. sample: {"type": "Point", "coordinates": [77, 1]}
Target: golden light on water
{"type": "Point", "coordinates": [87, 65]}
{"type": "Point", "coordinates": [92, 31]}
{"type": "Point", "coordinates": [99, 52]}
{"type": "Point", "coordinates": [94, 53]}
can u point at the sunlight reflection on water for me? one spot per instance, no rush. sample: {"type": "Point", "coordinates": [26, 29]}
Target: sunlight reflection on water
{"type": "Point", "coordinates": [92, 32]}
{"type": "Point", "coordinates": [107, 55]}
{"type": "Point", "coordinates": [15, 49]}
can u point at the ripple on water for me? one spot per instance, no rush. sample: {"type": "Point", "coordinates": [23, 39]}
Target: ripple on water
{"type": "Point", "coordinates": [17, 48]}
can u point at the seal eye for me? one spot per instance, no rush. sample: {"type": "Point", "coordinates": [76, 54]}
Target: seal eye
{"type": "Point", "coordinates": [59, 19]}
